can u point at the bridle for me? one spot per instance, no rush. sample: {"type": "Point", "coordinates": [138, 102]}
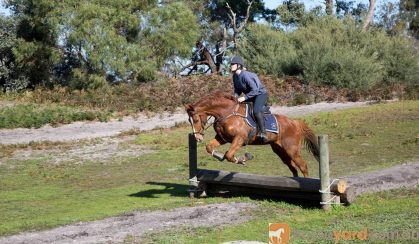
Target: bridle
{"type": "Point", "coordinates": [201, 131]}
{"type": "Point", "coordinates": [217, 120]}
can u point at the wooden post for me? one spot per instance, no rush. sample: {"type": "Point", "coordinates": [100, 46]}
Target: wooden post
{"type": "Point", "coordinates": [324, 171]}
{"type": "Point", "coordinates": [193, 165]}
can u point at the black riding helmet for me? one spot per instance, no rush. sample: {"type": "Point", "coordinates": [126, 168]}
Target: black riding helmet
{"type": "Point", "coordinates": [237, 60]}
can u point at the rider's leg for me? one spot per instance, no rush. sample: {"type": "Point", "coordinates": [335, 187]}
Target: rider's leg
{"type": "Point", "coordinates": [259, 102]}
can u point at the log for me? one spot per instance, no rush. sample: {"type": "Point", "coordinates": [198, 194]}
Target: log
{"type": "Point", "coordinates": [348, 197]}
{"type": "Point", "coordinates": [298, 187]}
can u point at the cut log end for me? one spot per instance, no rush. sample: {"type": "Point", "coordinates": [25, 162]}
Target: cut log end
{"type": "Point", "coordinates": [339, 187]}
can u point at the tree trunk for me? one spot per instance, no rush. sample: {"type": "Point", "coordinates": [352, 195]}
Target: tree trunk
{"type": "Point", "coordinates": [370, 14]}
{"type": "Point", "coordinates": [207, 57]}
{"type": "Point", "coordinates": [329, 7]}
{"type": "Point", "coordinates": [220, 51]}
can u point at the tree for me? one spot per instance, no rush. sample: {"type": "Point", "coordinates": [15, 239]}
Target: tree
{"type": "Point", "coordinates": [85, 43]}
{"type": "Point", "coordinates": [126, 41]}
{"type": "Point", "coordinates": [370, 14]}
{"type": "Point", "coordinates": [329, 7]}
{"type": "Point", "coordinates": [35, 51]}
{"type": "Point", "coordinates": [7, 41]}
{"type": "Point", "coordinates": [291, 13]}
{"type": "Point", "coordinates": [346, 8]}
{"type": "Point", "coordinates": [222, 23]}
{"type": "Point", "coordinates": [410, 10]}
{"type": "Point", "coordinates": [400, 18]}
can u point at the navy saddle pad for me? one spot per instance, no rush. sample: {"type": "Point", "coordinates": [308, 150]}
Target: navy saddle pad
{"type": "Point", "coordinates": [271, 124]}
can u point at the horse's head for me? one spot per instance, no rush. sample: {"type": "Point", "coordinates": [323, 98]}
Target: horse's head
{"type": "Point", "coordinates": [197, 120]}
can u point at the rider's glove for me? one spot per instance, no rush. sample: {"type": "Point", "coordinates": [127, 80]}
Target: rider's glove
{"type": "Point", "coordinates": [241, 99]}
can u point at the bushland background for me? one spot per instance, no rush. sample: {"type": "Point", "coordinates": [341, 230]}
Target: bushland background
{"type": "Point", "coordinates": [122, 57]}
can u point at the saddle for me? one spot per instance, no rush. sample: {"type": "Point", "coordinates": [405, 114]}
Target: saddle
{"type": "Point", "coordinates": [265, 109]}
{"type": "Point", "coordinates": [271, 124]}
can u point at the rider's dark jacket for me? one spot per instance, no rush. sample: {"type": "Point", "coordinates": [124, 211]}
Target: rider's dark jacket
{"type": "Point", "coordinates": [249, 84]}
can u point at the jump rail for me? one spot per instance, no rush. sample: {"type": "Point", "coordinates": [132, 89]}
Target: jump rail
{"type": "Point", "coordinates": [205, 181]}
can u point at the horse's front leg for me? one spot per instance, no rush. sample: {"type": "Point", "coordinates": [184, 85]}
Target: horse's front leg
{"type": "Point", "coordinates": [214, 143]}
{"type": "Point", "coordinates": [235, 146]}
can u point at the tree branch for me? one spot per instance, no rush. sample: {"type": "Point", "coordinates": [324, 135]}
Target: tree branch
{"type": "Point", "coordinates": [232, 17]}
{"type": "Point", "coordinates": [233, 20]}
{"type": "Point", "coordinates": [243, 24]}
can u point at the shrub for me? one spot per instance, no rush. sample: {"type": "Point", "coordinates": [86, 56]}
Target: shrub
{"type": "Point", "coordinates": [31, 115]}
{"type": "Point", "coordinates": [81, 80]}
{"type": "Point", "coordinates": [401, 61]}
{"type": "Point", "coordinates": [329, 52]}
{"type": "Point", "coordinates": [268, 51]}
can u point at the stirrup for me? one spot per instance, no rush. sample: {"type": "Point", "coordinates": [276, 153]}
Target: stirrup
{"type": "Point", "coordinates": [262, 136]}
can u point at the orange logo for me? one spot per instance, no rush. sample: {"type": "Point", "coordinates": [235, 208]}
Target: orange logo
{"type": "Point", "coordinates": [279, 233]}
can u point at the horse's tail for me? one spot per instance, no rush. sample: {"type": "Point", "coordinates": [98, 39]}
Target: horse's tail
{"type": "Point", "coordinates": [310, 139]}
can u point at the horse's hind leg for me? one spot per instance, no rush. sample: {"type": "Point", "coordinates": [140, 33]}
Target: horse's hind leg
{"type": "Point", "coordinates": [285, 158]}
{"type": "Point", "coordinates": [302, 165]}
{"type": "Point", "coordinates": [294, 153]}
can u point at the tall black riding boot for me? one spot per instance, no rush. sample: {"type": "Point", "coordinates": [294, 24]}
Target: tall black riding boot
{"type": "Point", "coordinates": [261, 123]}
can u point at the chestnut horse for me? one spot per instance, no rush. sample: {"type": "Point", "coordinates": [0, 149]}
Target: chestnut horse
{"type": "Point", "coordinates": [231, 127]}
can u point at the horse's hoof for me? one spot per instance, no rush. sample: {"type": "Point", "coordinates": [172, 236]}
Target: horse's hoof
{"type": "Point", "coordinates": [248, 156]}
{"type": "Point", "coordinates": [218, 156]}
{"type": "Point", "coordinates": [240, 162]}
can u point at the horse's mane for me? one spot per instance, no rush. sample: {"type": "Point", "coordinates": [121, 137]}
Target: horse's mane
{"type": "Point", "coordinates": [219, 94]}
{"type": "Point", "coordinates": [214, 98]}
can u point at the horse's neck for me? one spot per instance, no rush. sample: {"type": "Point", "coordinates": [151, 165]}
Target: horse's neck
{"type": "Point", "coordinates": [220, 109]}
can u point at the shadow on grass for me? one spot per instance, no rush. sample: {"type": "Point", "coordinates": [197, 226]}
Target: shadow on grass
{"type": "Point", "coordinates": [180, 190]}
{"type": "Point", "coordinates": [173, 189]}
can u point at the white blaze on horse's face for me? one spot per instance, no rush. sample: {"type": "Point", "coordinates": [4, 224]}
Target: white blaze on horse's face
{"type": "Point", "coordinates": [197, 128]}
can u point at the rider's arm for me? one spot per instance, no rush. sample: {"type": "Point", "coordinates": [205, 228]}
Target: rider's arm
{"type": "Point", "coordinates": [237, 91]}
{"type": "Point", "coordinates": [254, 83]}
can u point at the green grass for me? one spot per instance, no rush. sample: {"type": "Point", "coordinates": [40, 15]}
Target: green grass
{"type": "Point", "coordinates": [381, 213]}
{"type": "Point", "coordinates": [35, 194]}
{"type": "Point", "coordinates": [33, 115]}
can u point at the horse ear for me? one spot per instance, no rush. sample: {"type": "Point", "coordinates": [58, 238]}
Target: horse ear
{"type": "Point", "coordinates": [188, 107]}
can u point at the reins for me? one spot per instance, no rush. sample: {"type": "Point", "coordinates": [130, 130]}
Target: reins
{"type": "Point", "coordinates": [217, 120]}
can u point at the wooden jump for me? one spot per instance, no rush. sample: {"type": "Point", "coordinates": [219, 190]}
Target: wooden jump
{"type": "Point", "coordinates": [205, 181]}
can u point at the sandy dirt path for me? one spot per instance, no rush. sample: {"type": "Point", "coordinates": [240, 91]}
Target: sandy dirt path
{"type": "Point", "coordinates": [136, 224]}
{"type": "Point", "coordinates": [89, 130]}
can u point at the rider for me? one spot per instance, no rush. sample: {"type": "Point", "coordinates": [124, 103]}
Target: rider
{"type": "Point", "coordinates": [254, 91]}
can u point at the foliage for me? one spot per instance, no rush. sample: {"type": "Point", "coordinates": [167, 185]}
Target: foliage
{"type": "Point", "coordinates": [345, 8]}
{"type": "Point", "coordinates": [400, 18]}
{"type": "Point", "coordinates": [123, 41]}
{"type": "Point", "coordinates": [130, 99]}
{"type": "Point", "coordinates": [401, 60]}
{"type": "Point", "coordinates": [331, 52]}
{"type": "Point", "coordinates": [218, 11]}
{"type": "Point", "coordinates": [35, 52]}
{"type": "Point", "coordinates": [170, 32]}
{"type": "Point", "coordinates": [7, 40]}
{"type": "Point", "coordinates": [291, 12]}
{"type": "Point", "coordinates": [31, 115]}
{"type": "Point", "coordinates": [89, 44]}
{"type": "Point", "coordinates": [268, 51]}
{"type": "Point", "coordinates": [107, 40]}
